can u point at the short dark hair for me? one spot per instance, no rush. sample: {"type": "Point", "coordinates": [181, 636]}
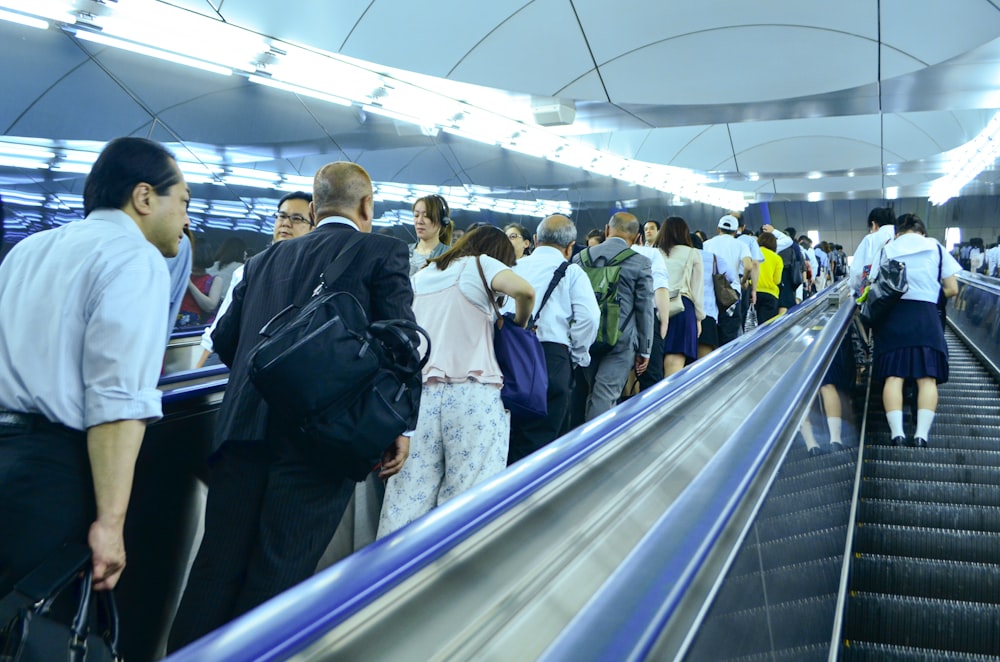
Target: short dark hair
{"type": "Point", "coordinates": [596, 234]}
{"type": "Point", "coordinates": [123, 164]}
{"type": "Point", "coordinates": [673, 233]}
{"type": "Point", "coordinates": [881, 216]}
{"type": "Point", "coordinates": [484, 240]}
{"type": "Point", "coordinates": [653, 221]}
{"type": "Point", "coordinates": [911, 222]}
{"type": "Point", "coordinates": [768, 241]}
{"type": "Point", "coordinates": [696, 241]}
{"type": "Point", "coordinates": [790, 232]}
{"type": "Point", "coordinates": [295, 195]}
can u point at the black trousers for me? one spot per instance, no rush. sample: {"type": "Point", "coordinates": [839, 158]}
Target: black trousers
{"type": "Point", "coordinates": [270, 515]}
{"type": "Point", "coordinates": [526, 437]}
{"type": "Point", "coordinates": [730, 326]}
{"type": "Point", "coordinates": [46, 496]}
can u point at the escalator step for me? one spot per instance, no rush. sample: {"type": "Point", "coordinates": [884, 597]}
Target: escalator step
{"type": "Point", "coordinates": [784, 584]}
{"type": "Point", "coordinates": [923, 623]}
{"type": "Point", "coordinates": [892, 540]}
{"type": "Point", "coordinates": [799, 461]}
{"type": "Point", "coordinates": [930, 515]}
{"type": "Point", "coordinates": [929, 491]}
{"type": "Point", "coordinates": [753, 631]}
{"type": "Point", "coordinates": [946, 473]}
{"type": "Point", "coordinates": [926, 578]}
{"type": "Point", "coordinates": [866, 651]}
{"type": "Point", "coordinates": [790, 550]}
{"type": "Point", "coordinates": [813, 653]}
{"type": "Point", "coordinates": [988, 444]}
{"type": "Point", "coordinates": [820, 476]}
{"type": "Point", "coordinates": [821, 517]}
{"type": "Point", "coordinates": [947, 428]}
{"type": "Point", "coordinates": [811, 497]}
{"type": "Point", "coordinates": [936, 455]}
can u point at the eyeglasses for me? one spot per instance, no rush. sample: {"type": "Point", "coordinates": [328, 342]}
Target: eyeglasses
{"type": "Point", "coordinates": [513, 235]}
{"type": "Point", "coordinates": [294, 218]}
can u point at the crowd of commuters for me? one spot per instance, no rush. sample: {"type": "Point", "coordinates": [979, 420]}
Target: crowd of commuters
{"type": "Point", "coordinates": [635, 305]}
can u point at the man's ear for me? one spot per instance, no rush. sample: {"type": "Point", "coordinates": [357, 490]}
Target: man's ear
{"type": "Point", "coordinates": [607, 231]}
{"type": "Point", "coordinates": [312, 211]}
{"type": "Point", "coordinates": [568, 251]}
{"type": "Point", "coordinates": [141, 198]}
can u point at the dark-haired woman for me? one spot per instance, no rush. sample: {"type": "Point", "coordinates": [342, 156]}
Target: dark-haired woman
{"type": "Point", "coordinates": [462, 429]}
{"type": "Point", "coordinates": [684, 265]}
{"type": "Point", "coordinates": [520, 239]}
{"type": "Point", "coordinates": [910, 343]}
{"type": "Point", "coordinates": [230, 257]}
{"type": "Point", "coordinates": [433, 228]}
{"type": "Point", "coordinates": [204, 291]}
{"type": "Point", "coordinates": [769, 278]}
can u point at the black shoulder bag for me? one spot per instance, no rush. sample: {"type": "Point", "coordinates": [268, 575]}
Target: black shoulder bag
{"type": "Point", "coordinates": [884, 291]}
{"type": "Point", "coordinates": [32, 635]}
{"type": "Point", "coordinates": [348, 387]}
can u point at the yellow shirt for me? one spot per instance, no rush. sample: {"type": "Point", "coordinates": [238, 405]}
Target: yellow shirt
{"type": "Point", "coordinates": [770, 272]}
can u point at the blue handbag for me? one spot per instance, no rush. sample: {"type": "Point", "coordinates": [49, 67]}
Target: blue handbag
{"type": "Point", "coordinates": [521, 358]}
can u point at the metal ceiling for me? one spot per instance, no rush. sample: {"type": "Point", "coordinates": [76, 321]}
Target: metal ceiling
{"type": "Point", "coordinates": [781, 100]}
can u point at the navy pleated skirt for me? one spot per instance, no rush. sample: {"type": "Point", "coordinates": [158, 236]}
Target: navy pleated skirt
{"type": "Point", "coordinates": [682, 333]}
{"type": "Point", "coordinates": [910, 343]}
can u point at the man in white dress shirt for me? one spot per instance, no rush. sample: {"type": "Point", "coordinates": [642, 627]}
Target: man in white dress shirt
{"type": "Point", "coordinates": [83, 315]}
{"type": "Point", "coordinates": [566, 326]}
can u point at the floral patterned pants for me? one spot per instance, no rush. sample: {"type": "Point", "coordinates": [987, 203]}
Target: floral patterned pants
{"type": "Point", "coordinates": [460, 440]}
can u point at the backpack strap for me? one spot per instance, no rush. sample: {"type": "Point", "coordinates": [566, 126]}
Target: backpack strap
{"type": "Point", "coordinates": [556, 277]}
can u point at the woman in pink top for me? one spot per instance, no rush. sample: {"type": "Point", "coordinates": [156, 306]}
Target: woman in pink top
{"type": "Point", "coordinates": [462, 429]}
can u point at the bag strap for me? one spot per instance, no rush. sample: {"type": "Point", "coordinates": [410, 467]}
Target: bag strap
{"type": "Point", "coordinates": [940, 263]}
{"type": "Point", "coordinates": [339, 264]}
{"type": "Point", "coordinates": [489, 294]}
{"type": "Point", "coordinates": [715, 265]}
{"type": "Point", "coordinates": [556, 277]}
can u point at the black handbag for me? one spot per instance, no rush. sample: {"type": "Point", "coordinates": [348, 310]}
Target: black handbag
{"type": "Point", "coordinates": [347, 387]}
{"type": "Point", "coordinates": [521, 359]}
{"type": "Point", "coordinates": [884, 291]}
{"type": "Point", "coordinates": [725, 295]}
{"type": "Point", "coordinates": [33, 635]}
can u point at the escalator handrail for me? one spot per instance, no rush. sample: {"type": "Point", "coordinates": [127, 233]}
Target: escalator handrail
{"type": "Point", "coordinates": [625, 619]}
{"type": "Point", "coordinates": [988, 283]}
{"type": "Point", "coordinates": [296, 618]}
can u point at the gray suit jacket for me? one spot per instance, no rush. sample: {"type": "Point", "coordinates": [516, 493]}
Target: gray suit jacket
{"type": "Point", "coordinates": [635, 293]}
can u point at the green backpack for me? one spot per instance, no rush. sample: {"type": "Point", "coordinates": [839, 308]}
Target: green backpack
{"type": "Point", "coordinates": [604, 275]}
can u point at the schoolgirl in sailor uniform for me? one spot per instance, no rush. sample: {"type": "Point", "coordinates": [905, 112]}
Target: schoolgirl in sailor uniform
{"type": "Point", "coordinates": [910, 343]}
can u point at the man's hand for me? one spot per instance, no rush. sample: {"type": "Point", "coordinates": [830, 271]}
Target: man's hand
{"type": "Point", "coordinates": [767, 227]}
{"type": "Point", "coordinates": [641, 363]}
{"type": "Point", "coordinates": [394, 457]}
{"type": "Point", "coordinates": [107, 545]}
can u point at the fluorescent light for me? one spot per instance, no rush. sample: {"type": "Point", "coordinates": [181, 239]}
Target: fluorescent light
{"type": "Point", "coordinates": [297, 89]}
{"type": "Point", "coordinates": [56, 10]}
{"type": "Point", "coordinates": [22, 162]}
{"type": "Point", "coordinates": [972, 158]}
{"type": "Point", "coordinates": [114, 42]}
{"type": "Point", "coordinates": [24, 20]}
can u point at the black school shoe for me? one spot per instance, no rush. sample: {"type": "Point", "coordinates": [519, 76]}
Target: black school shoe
{"type": "Point", "coordinates": [919, 442]}
{"type": "Point", "coordinates": [899, 441]}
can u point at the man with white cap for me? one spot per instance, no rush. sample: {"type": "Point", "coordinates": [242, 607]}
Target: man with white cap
{"type": "Point", "coordinates": [726, 246]}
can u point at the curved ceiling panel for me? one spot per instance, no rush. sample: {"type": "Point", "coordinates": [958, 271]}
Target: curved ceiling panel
{"type": "Point", "coordinates": [688, 67]}
{"type": "Point", "coordinates": [550, 52]}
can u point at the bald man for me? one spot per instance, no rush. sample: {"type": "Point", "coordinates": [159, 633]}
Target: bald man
{"type": "Point", "coordinates": [270, 512]}
{"type": "Point", "coordinates": [566, 325]}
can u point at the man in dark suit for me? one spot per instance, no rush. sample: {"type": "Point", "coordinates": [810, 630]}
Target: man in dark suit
{"type": "Point", "coordinates": [270, 512]}
{"type": "Point", "coordinates": [609, 366]}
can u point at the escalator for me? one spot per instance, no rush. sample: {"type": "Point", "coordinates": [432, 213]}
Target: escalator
{"type": "Point", "coordinates": [925, 582]}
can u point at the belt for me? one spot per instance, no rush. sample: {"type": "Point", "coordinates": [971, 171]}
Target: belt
{"type": "Point", "coordinates": [557, 344]}
{"type": "Point", "coordinates": [16, 423]}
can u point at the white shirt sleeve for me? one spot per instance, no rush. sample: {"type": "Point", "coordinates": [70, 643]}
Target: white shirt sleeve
{"type": "Point", "coordinates": [586, 316]}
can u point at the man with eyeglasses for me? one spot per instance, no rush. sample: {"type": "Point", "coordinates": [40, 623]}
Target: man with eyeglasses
{"type": "Point", "coordinates": [294, 219]}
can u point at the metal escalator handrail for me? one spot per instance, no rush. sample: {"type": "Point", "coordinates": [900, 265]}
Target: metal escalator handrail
{"type": "Point", "coordinates": [301, 615]}
{"type": "Point", "coordinates": [625, 619]}
{"type": "Point", "coordinates": [988, 283]}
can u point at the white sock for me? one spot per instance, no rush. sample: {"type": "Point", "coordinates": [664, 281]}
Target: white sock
{"type": "Point", "coordinates": [834, 424]}
{"type": "Point", "coordinates": [895, 419]}
{"type": "Point", "coordinates": [924, 419]}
